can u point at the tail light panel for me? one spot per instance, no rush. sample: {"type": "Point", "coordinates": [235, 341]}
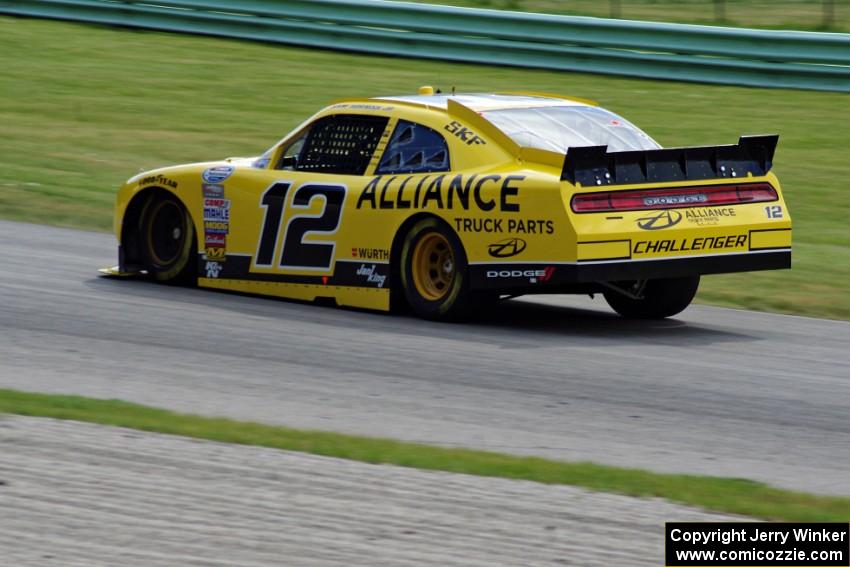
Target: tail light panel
{"type": "Point", "coordinates": [673, 198]}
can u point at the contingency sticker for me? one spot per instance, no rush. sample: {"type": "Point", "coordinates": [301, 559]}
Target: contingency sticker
{"type": "Point", "coordinates": [216, 227]}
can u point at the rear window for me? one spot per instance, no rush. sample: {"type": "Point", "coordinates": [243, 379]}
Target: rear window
{"type": "Point", "coordinates": [558, 128]}
{"type": "Point", "coordinates": [414, 148]}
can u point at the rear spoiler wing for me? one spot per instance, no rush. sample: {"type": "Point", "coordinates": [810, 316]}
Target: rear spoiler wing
{"type": "Point", "coordinates": [594, 165]}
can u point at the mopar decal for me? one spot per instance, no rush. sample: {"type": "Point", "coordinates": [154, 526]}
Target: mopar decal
{"type": "Point", "coordinates": [217, 174]}
{"type": "Point", "coordinates": [659, 220]}
{"type": "Point", "coordinates": [689, 244]}
{"type": "Point", "coordinates": [506, 248]}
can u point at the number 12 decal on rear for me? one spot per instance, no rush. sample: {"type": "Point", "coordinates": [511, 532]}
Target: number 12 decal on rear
{"type": "Point", "coordinates": [295, 253]}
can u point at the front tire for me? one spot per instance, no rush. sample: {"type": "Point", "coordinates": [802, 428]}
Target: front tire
{"type": "Point", "coordinates": [168, 241]}
{"type": "Point", "coordinates": [661, 298]}
{"type": "Point", "coordinates": [433, 271]}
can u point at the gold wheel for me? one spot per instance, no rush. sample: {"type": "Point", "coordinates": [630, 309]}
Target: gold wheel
{"type": "Point", "coordinates": [433, 266]}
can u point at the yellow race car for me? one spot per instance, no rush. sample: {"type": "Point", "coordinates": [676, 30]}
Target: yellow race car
{"type": "Point", "coordinates": [446, 203]}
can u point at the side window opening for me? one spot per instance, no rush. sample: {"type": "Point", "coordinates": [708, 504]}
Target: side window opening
{"type": "Point", "coordinates": [341, 144]}
{"type": "Point", "coordinates": [414, 148]}
{"type": "Point", "coordinates": [289, 160]}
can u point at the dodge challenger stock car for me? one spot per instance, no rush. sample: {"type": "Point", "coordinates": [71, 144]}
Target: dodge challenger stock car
{"type": "Point", "coordinates": [447, 203]}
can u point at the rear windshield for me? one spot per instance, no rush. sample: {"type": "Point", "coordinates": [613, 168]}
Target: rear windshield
{"type": "Point", "coordinates": [558, 128]}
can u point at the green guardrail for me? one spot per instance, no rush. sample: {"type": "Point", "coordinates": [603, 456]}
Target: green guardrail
{"type": "Point", "coordinates": [761, 58]}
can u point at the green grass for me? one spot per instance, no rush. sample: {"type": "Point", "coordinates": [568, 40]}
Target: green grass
{"type": "Point", "coordinates": [736, 496]}
{"type": "Point", "coordinates": [84, 107]}
{"type": "Point", "coordinates": [780, 14]}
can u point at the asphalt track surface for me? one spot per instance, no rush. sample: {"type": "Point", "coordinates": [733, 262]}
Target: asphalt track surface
{"type": "Point", "coordinates": [714, 391]}
{"type": "Point", "coordinates": [78, 494]}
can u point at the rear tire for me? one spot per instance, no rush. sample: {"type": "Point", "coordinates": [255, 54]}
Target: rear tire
{"type": "Point", "coordinates": [661, 298]}
{"type": "Point", "coordinates": [433, 271]}
{"type": "Point", "coordinates": [167, 241]}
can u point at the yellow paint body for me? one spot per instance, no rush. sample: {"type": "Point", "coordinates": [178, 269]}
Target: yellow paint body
{"type": "Point", "coordinates": [495, 191]}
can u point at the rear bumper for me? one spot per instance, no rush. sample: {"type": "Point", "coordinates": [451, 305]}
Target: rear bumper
{"type": "Point", "coordinates": [541, 276]}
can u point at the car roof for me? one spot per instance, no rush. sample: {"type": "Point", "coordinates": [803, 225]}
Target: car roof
{"type": "Point", "coordinates": [482, 102]}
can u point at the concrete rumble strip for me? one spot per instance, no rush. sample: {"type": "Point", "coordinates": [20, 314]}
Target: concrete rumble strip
{"type": "Point", "coordinates": [83, 494]}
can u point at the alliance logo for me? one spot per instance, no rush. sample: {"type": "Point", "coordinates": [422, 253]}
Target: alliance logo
{"type": "Point", "coordinates": [659, 220]}
{"type": "Point", "coordinates": [506, 248]}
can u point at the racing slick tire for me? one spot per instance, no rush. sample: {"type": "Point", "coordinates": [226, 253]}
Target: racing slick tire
{"type": "Point", "coordinates": [168, 241]}
{"type": "Point", "coordinates": [433, 272]}
{"type": "Point", "coordinates": [661, 298]}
